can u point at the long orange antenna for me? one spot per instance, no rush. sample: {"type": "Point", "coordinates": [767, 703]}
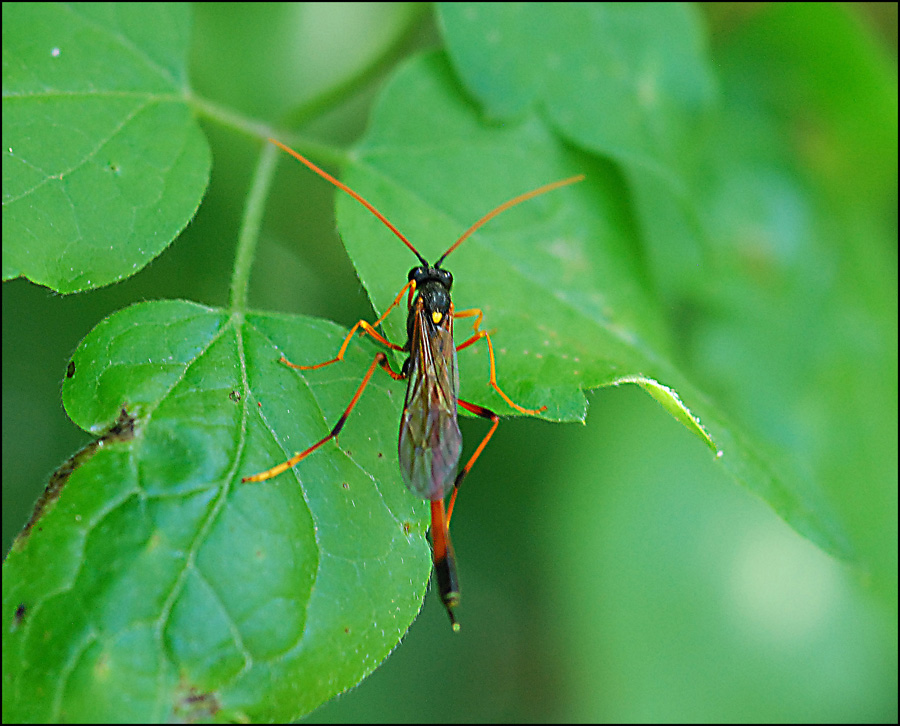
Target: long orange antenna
{"type": "Point", "coordinates": [506, 205]}
{"type": "Point", "coordinates": [325, 175]}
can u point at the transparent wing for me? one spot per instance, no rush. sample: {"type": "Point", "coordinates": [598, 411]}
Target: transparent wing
{"type": "Point", "coordinates": [430, 441]}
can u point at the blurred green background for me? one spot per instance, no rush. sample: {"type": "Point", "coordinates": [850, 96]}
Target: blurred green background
{"type": "Point", "coordinates": [612, 572]}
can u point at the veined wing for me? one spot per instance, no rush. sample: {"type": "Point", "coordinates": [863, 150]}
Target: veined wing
{"type": "Point", "coordinates": [430, 440]}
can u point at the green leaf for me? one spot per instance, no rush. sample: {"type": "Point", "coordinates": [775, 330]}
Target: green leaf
{"type": "Point", "coordinates": [670, 401]}
{"type": "Point", "coordinates": [579, 60]}
{"type": "Point", "coordinates": [158, 572]}
{"type": "Point", "coordinates": [558, 277]}
{"type": "Point", "coordinates": [628, 81]}
{"type": "Point", "coordinates": [103, 163]}
{"type": "Point", "coordinates": [539, 271]}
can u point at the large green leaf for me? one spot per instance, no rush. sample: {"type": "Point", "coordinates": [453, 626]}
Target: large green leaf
{"type": "Point", "coordinates": [540, 271]}
{"type": "Point", "coordinates": [577, 61]}
{"type": "Point", "coordinates": [152, 571]}
{"type": "Point", "coordinates": [103, 163]}
{"type": "Point", "coordinates": [559, 277]}
{"type": "Point", "coordinates": [628, 81]}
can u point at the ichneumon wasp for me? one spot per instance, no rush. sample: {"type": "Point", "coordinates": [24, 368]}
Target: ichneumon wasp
{"type": "Point", "coordinates": [430, 441]}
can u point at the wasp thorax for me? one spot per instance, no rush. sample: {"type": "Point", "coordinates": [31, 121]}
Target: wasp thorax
{"type": "Point", "coordinates": [436, 298]}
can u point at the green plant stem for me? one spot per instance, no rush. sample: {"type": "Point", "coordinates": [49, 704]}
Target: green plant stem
{"type": "Point", "coordinates": [228, 118]}
{"type": "Point", "coordinates": [264, 172]}
{"type": "Point", "coordinates": [248, 237]}
{"type": "Point", "coordinates": [322, 153]}
{"type": "Point", "coordinates": [325, 153]}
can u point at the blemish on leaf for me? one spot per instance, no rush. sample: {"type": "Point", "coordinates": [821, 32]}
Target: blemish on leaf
{"type": "Point", "coordinates": [19, 616]}
{"type": "Point", "coordinates": [70, 369]}
{"type": "Point", "coordinates": [193, 705]}
{"type": "Point", "coordinates": [122, 430]}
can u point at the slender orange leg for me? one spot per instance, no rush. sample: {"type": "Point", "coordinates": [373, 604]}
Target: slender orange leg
{"type": "Point", "coordinates": [366, 327]}
{"type": "Point", "coordinates": [484, 413]}
{"type": "Point", "coordinates": [479, 334]}
{"type": "Point", "coordinates": [379, 360]}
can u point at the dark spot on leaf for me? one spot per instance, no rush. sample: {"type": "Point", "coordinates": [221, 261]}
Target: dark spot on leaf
{"type": "Point", "coordinates": [193, 705]}
{"type": "Point", "coordinates": [406, 528]}
{"type": "Point", "coordinates": [235, 396]}
{"type": "Point", "coordinates": [123, 429]}
{"type": "Point", "coordinates": [19, 617]}
{"type": "Point", "coordinates": [70, 369]}
{"type": "Point", "coordinates": [345, 484]}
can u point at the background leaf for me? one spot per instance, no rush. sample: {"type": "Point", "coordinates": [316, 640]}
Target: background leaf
{"type": "Point", "coordinates": [633, 83]}
{"type": "Point", "coordinates": [560, 278]}
{"type": "Point", "coordinates": [103, 163]}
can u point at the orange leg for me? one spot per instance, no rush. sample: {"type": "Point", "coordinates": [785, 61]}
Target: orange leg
{"type": "Point", "coordinates": [495, 419]}
{"type": "Point", "coordinates": [366, 328]}
{"type": "Point", "coordinates": [379, 360]}
{"type": "Point", "coordinates": [479, 334]}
